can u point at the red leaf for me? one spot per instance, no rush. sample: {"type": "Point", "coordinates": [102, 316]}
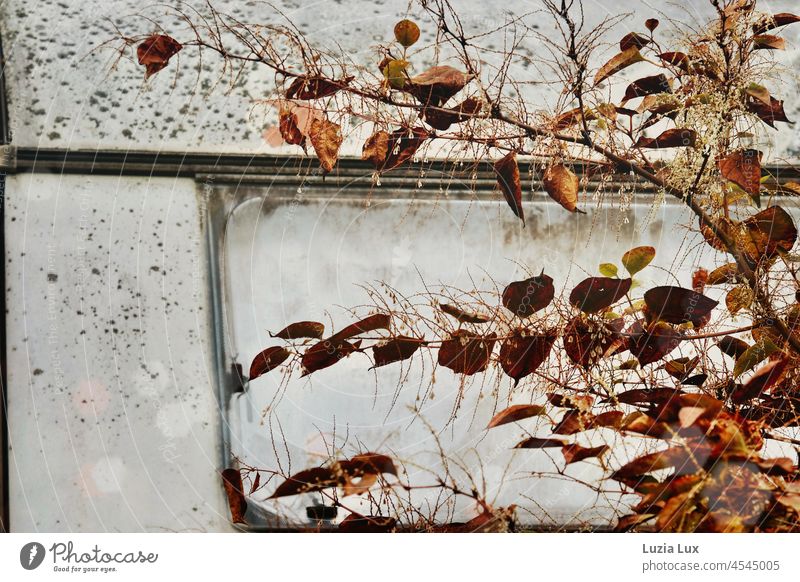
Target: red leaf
{"type": "Point", "coordinates": [366, 325]}
{"type": "Point", "coordinates": [524, 298]}
{"type": "Point", "coordinates": [301, 329]}
{"type": "Point", "coordinates": [442, 119]}
{"type": "Point", "coordinates": [768, 113]}
{"type": "Point", "coordinates": [743, 168]}
{"type": "Point", "coordinates": [775, 21]}
{"type": "Point", "coordinates": [521, 356]}
{"type": "Point", "coordinates": [315, 479]}
{"type": "Point", "coordinates": [508, 180]}
{"type": "Point", "coordinates": [538, 443]}
{"type": "Point", "coordinates": [586, 342]}
{"type": "Point", "coordinates": [679, 458]}
{"type": "Point", "coordinates": [648, 86]}
{"type": "Point", "coordinates": [611, 419]}
{"type": "Point", "coordinates": [516, 413]}
{"type": "Point", "coordinates": [462, 315]}
{"type": "Point", "coordinates": [395, 350]}
{"type": "Point", "coordinates": [232, 480]}
{"type": "Point", "coordinates": [466, 353]}
{"type": "Point", "coordinates": [324, 354]}
{"type": "Point", "coordinates": [671, 138]}
{"type": "Point", "coordinates": [155, 52]}
{"type": "Point", "coordinates": [651, 344]}
{"type": "Point", "coordinates": [633, 39]}
{"type": "Point", "coordinates": [598, 293]}
{"type": "Point", "coordinates": [368, 463]}
{"type": "Point", "coordinates": [574, 453]}
{"type": "Point", "coordinates": [765, 378]}
{"type": "Point", "coordinates": [290, 129]}
{"type": "Point", "coordinates": [771, 231]}
{"type": "Point", "coordinates": [268, 360]}
{"type": "Point", "coordinates": [315, 87]}
{"type": "Point", "coordinates": [677, 59]}
{"type": "Point", "coordinates": [574, 421]}
{"type": "Point", "coordinates": [678, 305]}
{"type": "Point", "coordinates": [401, 146]}
{"type": "Point", "coordinates": [436, 85]}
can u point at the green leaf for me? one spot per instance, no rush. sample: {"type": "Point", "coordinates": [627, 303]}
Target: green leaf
{"type": "Point", "coordinates": [753, 355]}
{"type": "Point", "coordinates": [608, 270]}
{"type": "Point", "coordinates": [638, 258]}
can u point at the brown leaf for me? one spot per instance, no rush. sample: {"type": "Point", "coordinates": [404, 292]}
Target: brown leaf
{"type": "Point", "coordinates": [574, 453]}
{"type": "Point", "coordinates": [401, 147]}
{"type": "Point", "coordinates": [679, 458]}
{"type": "Point", "coordinates": [768, 42]}
{"type": "Point", "coordinates": [395, 350]}
{"type": "Point", "coordinates": [699, 280]}
{"type": "Point", "coordinates": [768, 113]}
{"type": "Point", "coordinates": [574, 421]}
{"type": "Point", "coordinates": [326, 137]}
{"type": "Point", "coordinates": [598, 293]}
{"type": "Point", "coordinates": [678, 305]}
{"type": "Point", "coordinates": [651, 24]}
{"type": "Point", "coordinates": [611, 419]}
{"type": "Point", "coordinates": [676, 59]}
{"type": "Point", "coordinates": [562, 185]}
{"type": "Point", "coordinates": [436, 85]}
{"type": "Point", "coordinates": [648, 86]}
{"type": "Point", "coordinates": [301, 329]}
{"type": "Point", "coordinates": [325, 354]}
{"type": "Point", "coordinates": [577, 401]}
{"type": "Point", "coordinates": [268, 360]}
{"type": "Point", "coordinates": [621, 61]}
{"type": "Point", "coordinates": [726, 225]}
{"type": "Point", "coordinates": [466, 353]}
{"type": "Point", "coordinates": [586, 342]}
{"type": "Point", "coordinates": [368, 463]}
{"type": "Point", "coordinates": [307, 481]}
{"type": "Point", "coordinates": [442, 119]}
{"type": "Point", "coordinates": [775, 21]}
{"type": "Point", "coordinates": [743, 168]}
{"type": "Point", "coordinates": [738, 298]}
{"type": "Point", "coordinates": [650, 344]}
{"type": "Point", "coordinates": [725, 274]}
{"type": "Point", "coordinates": [671, 138]}
{"type": "Point", "coordinates": [462, 315]}
{"type": "Point", "coordinates": [571, 117]}
{"type": "Point", "coordinates": [376, 148]}
{"type": "Point", "coordinates": [516, 413]}
{"type": "Point", "coordinates": [524, 298]}
{"type": "Point", "coordinates": [521, 356]}
{"type": "Point", "coordinates": [539, 443]}
{"type": "Point", "coordinates": [680, 368]}
{"type": "Point", "coordinates": [633, 40]}
{"type": "Point", "coordinates": [234, 489]}
{"type": "Point", "coordinates": [733, 347]}
{"type": "Point", "coordinates": [315, 87]}
{"type": "Point", "coordinates": [765, 378]}
{"type": "Point", "coordinates": [155, 51]}
{"type": "Point", "coordinates": [648, 395]}
{"type": "Point", "coordinates": [406, 32]}
{"type": "Point", "coordinates": [290, 131]}
{"type": "Point", "coordinates": [508, 180]}
{"type": "Point", "coordinates": [366, 325]}
{"type": "Point", "coordinates": [355, 523]}
{"type": "Point", "coordinates": [769, 232]}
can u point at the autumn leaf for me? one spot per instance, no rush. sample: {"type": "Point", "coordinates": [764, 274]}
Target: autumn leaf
{"type": "Point", "coordinates": [326, 138]}
{"type": "Point", "coordinates": [315, 87]}
{"type": "Point", "coordinates": [539, 443]}
{"type": "Point", "coordinates": [769, 232]}
{"type": "Point", "coordinates": [679, 458]}
{"type": "Point", "coordinates": [442, 119]}
{"type": "Point", "coordinates": [574, 453]}
{"type": "Point", "coordinates": [743, 168]}
{"type": "Point", "coordinates": [562, 185]}
{"type": "Point", "coordinates": [621, 61]}
{"type": "Point", "coordinates": [289, 128]}
{"type": "Point", "coordinates": [651, 24]}
{"type": "Point", "coordinates": [366, 325]}
{"type": "Point", "coordinates": [769, 22]}
{"type": "Point", "coordinates": [508, 180]}
{"type": "Point", "coordinates": [234, 489]}
{"type": "Point", "coordinates": [598, 293]}
{"type": "Point", "coordinates": [401, 146]}
{"type": "Point", "coordinates": [355, 523]}
{"type": "Point", "coordinates": [753, 355]}
{"type": "Point", "coordinates": [155, 52]}
{"type": "Point", "coordinates": [376, 148]}
{"type": "Point", "coordinates": [436, 85]}
{"type": "Point", "coordinates": [768, 113]}
{"type": "Point", "coordinates": [524, 298]}
{"type": "Point", "coordinates": [671, 138]}
{"type": "Point", "coordinates": [765, 378]}
{"type": "Point", "coordinates": [586, 342]}
{"type": "Point", "coordinates": [301, 329]}
{"type": "Point", "coordinates": [521, 355]}
{"type": "Point", "coordinates": [466, 353]}
{"type": "Point", "coordinates": [650, 344]}
{"type": "Point", "coordinates": [738, 298]}
{"type": "Point", "coordinates": [406, 32]}
{"type": "Point", "coordinates": [731, 346]}
{"type": "Point", "coordinates": [678, 305]}
{"type": "Point", "coordinates": [578, 401]}
{"type": "Point", "coordinates": [574, 421]}
{"type": "Point", "coordinates": [516, 413]}
{"type": "Point", "coordinates": [633, 40]}
{"type": "Point", "coordinates": [268, 360]}
{"type": "Point", "coordinates": [725, 274]}
{"type": "Point", "coordinates": [325, 354]}
{"type": "Point", "coordinates": [768, 42]}
{"type": "Point", "coordinates": [573, 116]}
{"type": "Point", "coordinates": [395, 350]}
{"type": "Point", "coordinates": [680, 368]}
{"type": "Point", "coordinates": [648, 86]}
{"type": "Point", "coordinates": [307, 481]}
{"type": "Point", "coordinates": [677, 59]}
{"type": "Point", "coordinates": [462, 315]}
{"type": "Point", "coordinates": [638, 258]}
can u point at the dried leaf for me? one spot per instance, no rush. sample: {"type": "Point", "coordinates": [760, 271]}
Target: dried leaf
{"type": "Point", "coordinates": [325, 354]}
{"type": "Point", "coordinates": [678, 305]}
{"type": "Point", "coordinates": [676, 59]}
{"type": "Point", "coordinates": [366, 325]}
{"type": "Point", "coordinates": [301, 329]}
{"type": "Point", "coordinates": [671, 138]}
{"type": "Point", "coordinates": [442, 119]}
{"type": "Point", "coordinates": [524, 298]}
{"type": "Point", "coordinates": [307, 481]}
{"type": "Point", "coordinates": [155, 52]}
{"type": "Point", "coordinates": [651, 24]}
{"type": "Point", "coordinates": [234, 489]}
{"type": "Point", "coordinates": [743, 168]}
{"type": "Point", "coordinates": [315, 87]}
{"type": "Point", "coordinates": [562, 185]}
{"type": "Point", "coordinates": [611, 419]}
{"type": "Point", "coordinates": [621, 61]}
{"type": "Point", "coordinates": [376, 148]}
{"type": "Point", "coordinates": [436, 85]}
{"type": "Point", "coordinates": [516, 413]}
{"type": "Point", "coordinates": [633, 40]}
{"type": "Point", "coordinates": [598, 293]}
{"type": "Point", "coordinates": [577, 401]}
{"type": "Point", "coordinates": [775, 21]}
{"type": "Point", "coordinates": [765, 378]}
{"type": "Point", "coordinates": [290, 131]}
{"type": "Point", "coordinates": [738, 298]}
{"type": "Point", "coordinates": [466, 353]}
{"type": "Point", "coordinates": [406, 32]}
{"type": "Point", "coordinates": [574, 453]}
{"type": "Point", "coordinates": [699, 280]}
{"type": "Point", "coordinates": [652, 85]}
{"type": "Point", "coordinates": [508, 180]}
{"type": "Point", "coordinates": [679, 458]}
{"type": "Point", "coordinates": [768, 113]}
{"type": "Point", "coordinates": [355, 523]}
{"type": "Point", "coordinates": [650, 344]}
{"type": "Point", "coordinates": [769, 232]}
{"type": "Point", "coordinates": [725, 274]}
{"type": "Point", "coordinates": [539, 443]}
{"type": "Point", "coordinates": [462, 315]}
{"type": "Point", "coordinates": [574, 421]}
{"type": "Point", "coordinates": [638, 258]}
{"type": "Point", "coordinates": [733, 347]}
{"type": "Point", "coordinates": [268, 360]}
{"type": "Point", "coordinates": [768, 42]}
{"type": "Point", "coordinates": [586, 342]}
{"type": "Point", "coordinates": [521, 355]}
{"type": "Point", "coordinates": [402, 145]}
{"type": "Point", "coordinates": [326, 138]}
{"type": "Point", "coordinates": [395, 350]}
{"type": "Point", "coordinates": [680, 368]}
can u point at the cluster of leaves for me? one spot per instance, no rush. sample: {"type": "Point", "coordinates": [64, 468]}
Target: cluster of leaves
{"type": "Point", "coordinates": [687, 126]}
